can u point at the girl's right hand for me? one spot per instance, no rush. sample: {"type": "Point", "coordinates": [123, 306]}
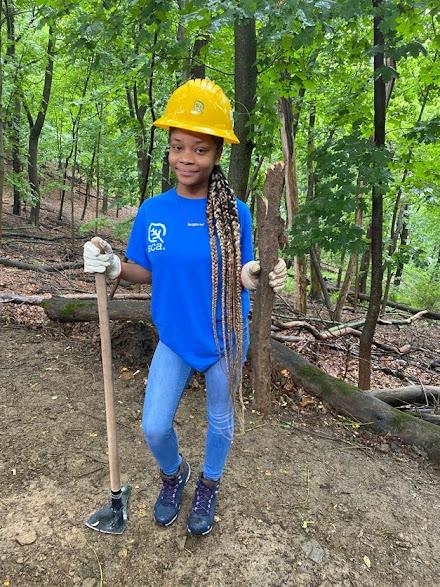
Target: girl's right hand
{"type": "Point", "coordinates": [102, 259]}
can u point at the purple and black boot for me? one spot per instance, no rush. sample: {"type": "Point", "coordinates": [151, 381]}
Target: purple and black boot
{"type": "Point", "coordinates": [201, 517]}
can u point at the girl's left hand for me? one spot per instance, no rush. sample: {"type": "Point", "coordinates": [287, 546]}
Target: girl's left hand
{"type": "Point", "coordinates": [250, 275]}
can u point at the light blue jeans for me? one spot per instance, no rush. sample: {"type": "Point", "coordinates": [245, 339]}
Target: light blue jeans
{"type": "Point", "coordinates": [167, 379]}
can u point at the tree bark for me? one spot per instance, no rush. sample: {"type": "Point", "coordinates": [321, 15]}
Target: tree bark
{"type": "Point", "coordinates": [73, 310]}
{"type": "Point", "coordinates": [315, 287]}
{"type": "Point", "coordinates": [245, 91]}
{"type": "Point", "coordinates": [270, 230]}
{"type": "Point", "coordinates": [36, 128]}
{"type": "Point", "coordinates": [343, 293]}
{"type": "Point", "coordinates": [2, 150]}
{"type": "Point", "coordinates": [89, 181]}
{"type": "Point", "coordinates": [288, 143]}
{"type": "Point", "coordinates": [377, 212]}
{"type": "Point", "coordinates": [14, 132]}
{"type": "Point", "coordinates": [197, 66]}
{"type": "Point", "coordinates": [403, 241]}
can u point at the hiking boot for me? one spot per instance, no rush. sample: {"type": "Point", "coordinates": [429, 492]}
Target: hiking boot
{"type": "Point", "coordinates": [201, 517]}
{"type": "Point", "coordinates": [169, 501]}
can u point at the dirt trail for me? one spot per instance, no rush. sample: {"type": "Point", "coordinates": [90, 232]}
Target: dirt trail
{"type": "Point", "coordinates": [297, 506]}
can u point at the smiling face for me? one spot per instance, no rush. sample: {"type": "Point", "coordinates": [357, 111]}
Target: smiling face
{"type": "Point", "coordinates": [192, 157]}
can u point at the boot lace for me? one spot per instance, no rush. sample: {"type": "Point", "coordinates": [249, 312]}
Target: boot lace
{"type": "Point", "coordinates": [202, 498]}
{"type": "Point", "coordinates": [169, 490]}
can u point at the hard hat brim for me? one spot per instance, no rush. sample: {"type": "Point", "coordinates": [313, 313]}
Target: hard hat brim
{"type": "Point", "coordinates": [167, 123]}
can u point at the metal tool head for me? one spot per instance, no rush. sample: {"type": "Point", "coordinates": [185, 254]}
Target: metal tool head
{"type": "Point", "coordinates": [112, 518]}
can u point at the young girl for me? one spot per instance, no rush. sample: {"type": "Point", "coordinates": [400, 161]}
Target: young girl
{"type": "Point", "coordinates": [194, 244]}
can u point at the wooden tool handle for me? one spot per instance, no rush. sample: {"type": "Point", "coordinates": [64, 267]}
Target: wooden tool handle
{"type": "Point", "coordinates": [97, 241]}
{"type": "Point", "coordinates": [107, 368]}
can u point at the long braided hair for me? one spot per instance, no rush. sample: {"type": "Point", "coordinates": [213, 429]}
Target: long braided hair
{"type": "Point", "coordinates": [224, 238]}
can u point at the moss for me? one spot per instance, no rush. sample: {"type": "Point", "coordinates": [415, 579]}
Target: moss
{"type": "Point", "coordinates": [67, 310]}
{"type": "Point", "coordinates": [70, 308]}
{"type": "Point", "coordinates": [327, 384]}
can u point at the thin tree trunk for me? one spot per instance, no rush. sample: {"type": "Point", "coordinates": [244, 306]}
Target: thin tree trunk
{"type": "Point", "coordinates": [2, 151]}
{"type": "Point", "coordinates": [89, 181]}
{"type": "Point", "coordinates": [270, 230]}
{"type": "Point", "coordinates": [245, 91]}
{"type": "Point", "coordinates": [403, 241]}
{"type": "Point", "coordinates": [364, 266]}
{"type": "Point", "coordinates": [197, 66]}
{"type": "Point", "coordinates": [341, 268]}
{"type": "Point", "coordinates": [14, 133]}
{"type": "Point", "coordinates": [377, 212]}
{"type": "Point", "coordinates": [288, 143]}
{"type": "Point", "coordinates": [315, 288]}
{"type": "Point", "coordinates": [104, 207]}
{"type": "Point", "coordinates": [317, 268]}
{"type": "Point", "coordinates": [352, 263]}
{"type": "Point", "coordinates": [100, 109]}
{"type": "Point", "coordinates": [166, 182]}
{"type": "Point", "coordinates": [36, 128]}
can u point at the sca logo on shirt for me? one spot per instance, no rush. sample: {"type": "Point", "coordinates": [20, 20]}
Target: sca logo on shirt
{"type": "Point", "coordinates": [156, 233]}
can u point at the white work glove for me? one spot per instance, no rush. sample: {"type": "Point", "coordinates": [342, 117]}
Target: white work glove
{"type": "Point", "coordinates": [250, 275]}
{"type": "Point", "coordinates": [97, 262]}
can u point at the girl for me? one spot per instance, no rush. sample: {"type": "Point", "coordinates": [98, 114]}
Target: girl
{"type": "Point", "coordinates": [194, 244]}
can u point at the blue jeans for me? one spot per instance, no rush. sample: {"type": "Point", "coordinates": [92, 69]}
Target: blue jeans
{"type": "Point", "coordinates": [168, 377]}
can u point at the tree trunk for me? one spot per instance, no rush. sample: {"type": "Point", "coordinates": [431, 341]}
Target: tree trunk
{"type": "Point", "coordinates": [403, 241]}
{"type": "Point", "coordinates": [317, 269]}
{"type": "Point", "coordinates": [377, 212]}
{"type": "Point", "coordinates": [36, 128]}
{"type": "Point", "coordinates": [33, 178]}
{"type": "Point", "coordinates": [352, 262]}
{"type": "Point", "coordinates": [270, 230]}
{"type": "Point", "coordinates": [89, 180]}
{"type": "Point", "coordinates": [14, 132]}
{"type": "Point", "coordinates": [288, 143]}
{"type": "Point", "coordinates": [343, 293]}
{"type": "Point", "coordinates": [2, 151]}
{"type": "Point", "coordinates": [364, 266]}
{"type": "Point", "coordinates": [245, 92]}
{"type": "Point", "coordinates": [315, 288]}
{"type": "Point", "coordinates": [197, 66]}
{"type": "Point", "coordinates": [166, 181]}
{"type": "Point", "coordinates": [99, 110]}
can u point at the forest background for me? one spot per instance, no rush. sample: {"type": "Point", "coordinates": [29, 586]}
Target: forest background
{"type": "Point", "coordinates": [346, 92]}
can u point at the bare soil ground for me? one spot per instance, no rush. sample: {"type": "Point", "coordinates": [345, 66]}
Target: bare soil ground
{"type": "Point", "coordinates": [308, 499]}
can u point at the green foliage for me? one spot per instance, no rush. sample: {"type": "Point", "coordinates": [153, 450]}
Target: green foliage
{"type": "Point", "coordinates": [346, 170]}
{"type": "Point", "coordinates": [419, 289]}
{"type": "Point", "coordinates": [427, 131]}
{"type": "Point", "coordinates": [317, 53]}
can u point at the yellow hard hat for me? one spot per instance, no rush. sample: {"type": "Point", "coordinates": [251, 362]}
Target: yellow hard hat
{"type": "Point", "coordinates": [201, 106]}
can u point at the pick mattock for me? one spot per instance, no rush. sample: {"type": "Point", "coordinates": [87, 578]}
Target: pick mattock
{"type": "Point", "coordinates": [112, 518]}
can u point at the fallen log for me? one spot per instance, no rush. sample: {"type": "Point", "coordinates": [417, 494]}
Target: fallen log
{"type": "Point", "coordinates": [86, 310]}
{"type": "Point", "coordinates": [407, 395]}
{"type": "Point", "coordinates": [425, 414]}
{"type": "Point", "coordinates": [362, 406]}
{"type": "Point", "coordinates": [14, 298]}
{"type": "Point", "coordinates": [41, 268]}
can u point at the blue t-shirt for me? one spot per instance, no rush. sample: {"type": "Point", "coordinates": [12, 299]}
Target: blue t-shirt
{"type": "Point", "coordinates": [170, 238]}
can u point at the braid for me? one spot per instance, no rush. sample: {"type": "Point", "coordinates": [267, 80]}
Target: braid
{"type": "Point", "coordinates": [224, 229]}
